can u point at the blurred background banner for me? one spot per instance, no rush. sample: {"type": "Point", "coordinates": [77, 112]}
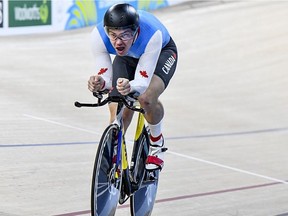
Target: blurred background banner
{"type": "Point", "coordinates": [29, 13]}
{"type": "Point", "coordinates": [40, 16]}
{"type": "Point", "coordinates": [1, 13]}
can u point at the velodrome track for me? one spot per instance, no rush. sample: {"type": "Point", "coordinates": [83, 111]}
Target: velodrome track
{"type": "Point", "coordinates": [226, 122]}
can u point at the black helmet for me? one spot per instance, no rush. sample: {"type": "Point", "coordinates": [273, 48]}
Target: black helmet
{"type": "Point", "coordinates": [121, 16]}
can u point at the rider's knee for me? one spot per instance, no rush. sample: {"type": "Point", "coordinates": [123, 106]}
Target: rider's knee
{"type": "Point", "coordinates": [147, 101]}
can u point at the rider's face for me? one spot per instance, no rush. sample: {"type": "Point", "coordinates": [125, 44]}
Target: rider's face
{"type": "Point", "coordinates": [121, 40]}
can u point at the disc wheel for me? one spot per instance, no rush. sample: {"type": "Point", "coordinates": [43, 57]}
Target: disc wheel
{"type": "Point", "coordinates": [146, 183]}
{"type": "Point", "coordinates": [106, 180]}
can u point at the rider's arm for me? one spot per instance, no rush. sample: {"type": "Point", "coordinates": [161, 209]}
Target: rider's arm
{"type": "Point", "coordinates": [147, 64]}
{"type": "Point", "coordinates": [102, 59]}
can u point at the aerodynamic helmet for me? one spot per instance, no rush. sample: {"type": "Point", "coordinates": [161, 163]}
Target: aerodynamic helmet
{"type": "Point", "coordinates": [121, 16]}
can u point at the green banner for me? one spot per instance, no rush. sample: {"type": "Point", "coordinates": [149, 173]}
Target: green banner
{"type": "Point", "coordinates": [29, 13]}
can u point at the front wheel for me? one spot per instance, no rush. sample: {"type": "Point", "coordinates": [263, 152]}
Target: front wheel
{"type": "Point", "coordinates": [106, 181]}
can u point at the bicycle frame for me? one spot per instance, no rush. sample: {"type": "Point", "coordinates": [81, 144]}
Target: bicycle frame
{"type": "Point", "coordinates": [122, 159]}
{"type": "Point", "coordinates": [139, 127]}
{"type": "Point", "coordinates": [134, 181]}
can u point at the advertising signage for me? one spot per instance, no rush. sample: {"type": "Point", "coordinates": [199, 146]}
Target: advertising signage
{"type": "Point", "coordinates": [29, 13]}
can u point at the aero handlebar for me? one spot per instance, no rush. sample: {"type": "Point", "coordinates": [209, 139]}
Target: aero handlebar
{"type": "Point", "coordinates": [125, 100]}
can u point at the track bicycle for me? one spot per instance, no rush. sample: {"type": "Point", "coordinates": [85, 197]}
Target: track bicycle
{"type": "Point", "coordinates": [114, 181]}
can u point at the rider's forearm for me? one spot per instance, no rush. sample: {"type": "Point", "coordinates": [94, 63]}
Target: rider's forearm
{"type": "Point", "coordinates": [102, 59]}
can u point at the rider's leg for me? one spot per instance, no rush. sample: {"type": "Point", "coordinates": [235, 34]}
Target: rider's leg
{"type": "Point", "coordinates": [164, 71]}
{"type": "Point", "coordinates": [113, 110]}
{"type": "Point", "coordinates": [127, 118]}
{"type": "Point", "coordinates": [150, 102]}
{"type": "Point", "coordinates": [154, 110]}
{"type": "Point", "coordinates": [127, 115]}
{"type": "Point", "coordinates": [154, 115]}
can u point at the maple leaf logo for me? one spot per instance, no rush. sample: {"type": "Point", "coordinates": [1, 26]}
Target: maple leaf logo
{"type": "Point", "coordinates": [102, 71]}
{"type": "Point", "coordinates": [144, 74]}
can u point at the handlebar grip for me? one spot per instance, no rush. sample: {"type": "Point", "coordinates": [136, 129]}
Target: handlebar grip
{"type": "Point", "coordinates": [134, 95]}
{"type": "Point", "coordinates": [99, 94]}
{"type": "Point", "coordinates": [77, 104]}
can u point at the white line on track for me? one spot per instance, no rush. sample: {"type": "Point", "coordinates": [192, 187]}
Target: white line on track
{"type": "Point", "coordinates": [170, 152]}
{"type": "Point", "coordinates": [228, 167]}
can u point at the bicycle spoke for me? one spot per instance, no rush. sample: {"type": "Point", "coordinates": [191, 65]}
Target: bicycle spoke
{"type": "Point", "coordinates": [108, 187]}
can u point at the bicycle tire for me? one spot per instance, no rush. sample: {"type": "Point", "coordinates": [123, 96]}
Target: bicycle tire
{"type": "Point", "coordinates": [142, 201]}
{"type": "Point", "coordinates": [105, 189]}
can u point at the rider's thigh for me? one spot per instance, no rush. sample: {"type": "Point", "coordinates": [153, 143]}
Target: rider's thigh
{"type": "Point", "coordinates": [127, 117]}
{"type": "Point", "coordinates": [113, 111]}
{"type": "Point", "coordinates": [154, 90]}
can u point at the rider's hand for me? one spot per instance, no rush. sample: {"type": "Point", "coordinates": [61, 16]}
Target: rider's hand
{"type": "Point", "coordinates": [96, 83]}
{"type": "Point", "coordinates": [123, 86]}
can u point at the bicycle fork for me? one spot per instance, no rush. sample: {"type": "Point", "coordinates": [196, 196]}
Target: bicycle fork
{"type": "Point", "coordinates": [122, 165]}
{"type": "Point", "coordinates": [120, 154]}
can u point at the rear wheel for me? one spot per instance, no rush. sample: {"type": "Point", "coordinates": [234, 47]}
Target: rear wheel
{"type": "Point", "coordinates": [106, 180]}
{"type": "Point", "coordinates": [142, 202]}
{"type": "Point", "coordinates": [145, 183]}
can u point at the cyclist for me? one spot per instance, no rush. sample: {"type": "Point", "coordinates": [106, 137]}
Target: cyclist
{"type": "Point", "coordinates": [145, 61]}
